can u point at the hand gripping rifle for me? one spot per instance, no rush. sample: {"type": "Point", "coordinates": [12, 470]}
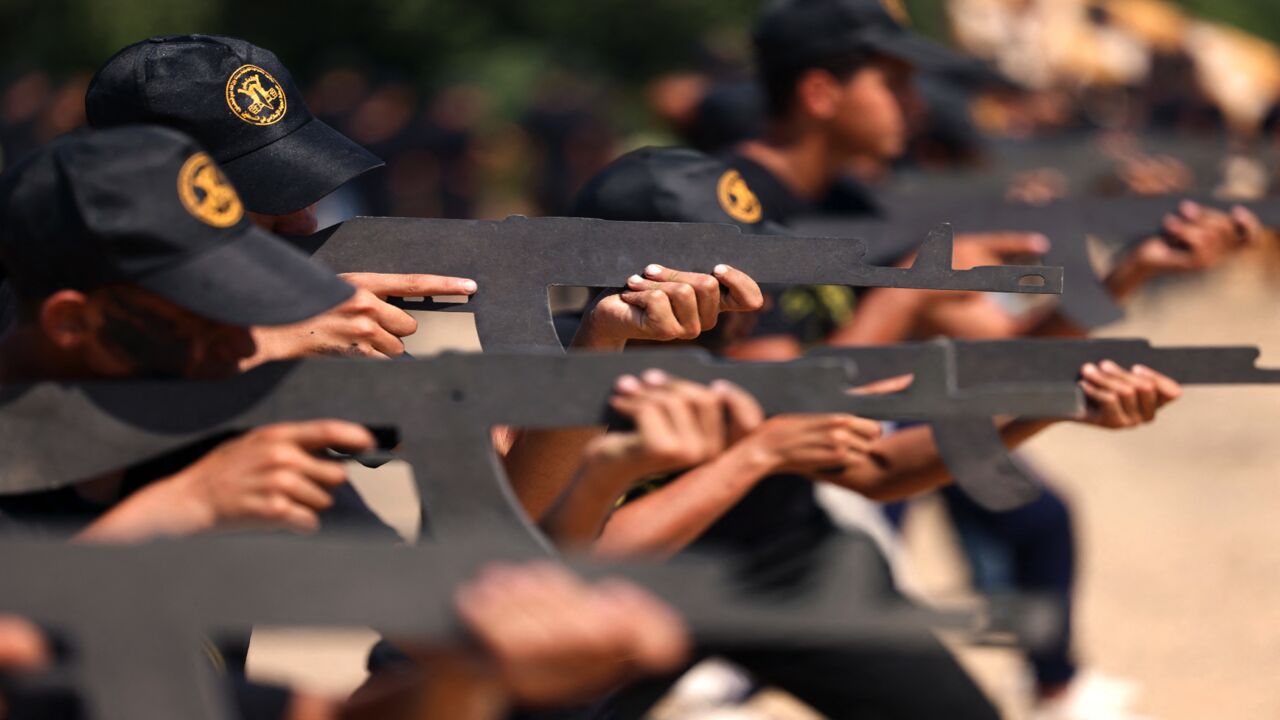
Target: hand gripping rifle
{"type": "Point", "coordinates": [516, 260]}
{"type": "Point", "coordinates": [1122, 221]}
{"type": "Point", "coordinates": [1044, 363]}
{"type": "Point", "coordinates": [134, 616]}
{"type": "Point", "coordinates": [442, 410]}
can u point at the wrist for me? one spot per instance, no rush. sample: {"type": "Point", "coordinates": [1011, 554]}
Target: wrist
{"type": "Point", "coordinates": [161, 509]}
{"type": "Point", "coordinates": [610, 477]}
{"type": "Point", "coordinates": [1128, 275]}
{"type": "Point", "coordinates": [186, 503]}
{"type": "Point", "coordinates": [266, 348]}
{"type": "Point", "coordinates": [751, 459]}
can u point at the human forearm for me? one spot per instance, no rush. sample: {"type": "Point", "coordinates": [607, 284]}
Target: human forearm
{"type": "Point", "coordinates": [666, 521]}
{"type": "Point", "coordinates": [908, 463]}
{"type": "Point", "coordinates": [593, 336]}
{"type": "Point", "coordinates": [542, 463]}
{"type": "Point", "coordinates": [161, 509]}
{"type": "Point", "coordinates": [581, 513]}
{"type": "Point", "coordinates": [884, 315]}
{"type": "Point", "coordinates": [1127, 277]}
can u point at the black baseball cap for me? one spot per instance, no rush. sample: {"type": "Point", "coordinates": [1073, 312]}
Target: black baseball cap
{"type": "Point", "coordinates": [794, 33]}
{"type": "Point", "coordinates": [241, 104]}
{"type": "Point", "coordinates": [670, 185]}
{"type": "Point", "coordinates": [146, 206]}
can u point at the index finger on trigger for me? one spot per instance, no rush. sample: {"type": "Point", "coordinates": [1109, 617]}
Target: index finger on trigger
{"type": "Point", "coordinates": [386, 285]}
{"type": "Point", "coordinates": [320, 434]}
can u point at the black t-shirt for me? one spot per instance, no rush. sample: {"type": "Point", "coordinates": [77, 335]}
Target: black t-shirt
{"type": "Point", "coordinates": [778, 202]}
{"type": "Point", "coordinates": [808, 313]}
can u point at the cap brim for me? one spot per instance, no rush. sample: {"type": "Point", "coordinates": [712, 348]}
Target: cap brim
{"type": "Point", "coordinates": [298, 169]}
{"type": "Point", "coordinates": [920, 53]}
{"type": "Point", "coordinates": [255, 279]}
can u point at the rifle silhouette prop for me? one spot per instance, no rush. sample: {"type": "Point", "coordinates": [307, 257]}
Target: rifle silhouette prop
{"type": "Point", "coordinates": [516, 260]}
{"type": "Point", "coordinates": [1047, 363]}
{"type": "Point", "coordinates": [1076, 158]}
{"type": "Point", "coordinates": [442, 410]}
{"type": "Point", "coordinates": [134, 616]}
{"type": "Point", "coordinates": [1122, 221]}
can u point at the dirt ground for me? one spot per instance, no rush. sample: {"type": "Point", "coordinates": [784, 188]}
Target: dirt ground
{"type": "Point", "coordinates": [1180, 544]}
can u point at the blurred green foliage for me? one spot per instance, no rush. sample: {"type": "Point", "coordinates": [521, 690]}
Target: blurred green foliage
{"type": "Point", "coordinates": [502, 43]}
{"type": "Point", "coordinates": [426, 40]}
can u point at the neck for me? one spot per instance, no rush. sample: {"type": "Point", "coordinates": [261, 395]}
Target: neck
{"type": "Point", "coordinates": [802, 159]}
{"type": "Point", "coordinates": [25, 356]}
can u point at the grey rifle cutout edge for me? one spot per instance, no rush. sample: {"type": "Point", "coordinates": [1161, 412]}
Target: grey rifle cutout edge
{"type": "Point", "coordinates": [515, 261]}
{"type": "Point", "coordinates": [1047, 362]}
{"type": "Point", "coordinates": [1120, 221]}
{"type": "Point", "coordinates": [442, 410]}
{"type": "Point", "coordinates": [135, 616]}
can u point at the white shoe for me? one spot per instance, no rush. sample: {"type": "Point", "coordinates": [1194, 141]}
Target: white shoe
{"type": "Point", "coordinates": [1091, 696]}
{"type": "Point", "coordinates": [708, 687]}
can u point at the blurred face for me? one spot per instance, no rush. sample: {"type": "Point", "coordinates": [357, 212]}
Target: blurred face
{"type": "Point", "coordinates": [126, 332]}
{"type": "Point", "coordinates": [296, 224]}
{"type": "Point", "coordinates": [864, 114]}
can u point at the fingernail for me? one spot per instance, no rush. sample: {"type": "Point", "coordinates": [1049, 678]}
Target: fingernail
{"type": "Point", "coordinates": [1041, 243]}
{"type": "Point", "coordinates": [1090, 368]}
{"type": "Point", "coordinates": [1110, 366]}
{"type": "Point", "coordinates": [469, 286]}
{"type": "Point", "coordinates": [1142, 369]}
{"type": "Point", "coordinates": [655, 377]}
{"type": "Point", "coordinates": [635, 279]}
{"type": "Point", "coordinates": [628, 383]}
{"type": "Point", "coordinates": [720, 269]}
{"type": "Point", "coordinates": [720, 386]}
{"type": "Point", "coordinates": [653, 270]}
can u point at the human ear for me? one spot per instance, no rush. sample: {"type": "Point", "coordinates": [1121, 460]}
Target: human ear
{"type": "Point", "coordinates": [817, 93]}
{"type": "Point", "coordinates": [67, 319]}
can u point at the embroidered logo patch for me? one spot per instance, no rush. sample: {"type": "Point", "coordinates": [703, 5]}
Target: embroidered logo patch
{"type": "Point", "coordinates": [255, 97]}
{"type": "Point", "coordinates": [898, 10]}
{"type": "Point", "coordinates": [207, 194]}
{"type": "Point", "coordinates": [737, 199]}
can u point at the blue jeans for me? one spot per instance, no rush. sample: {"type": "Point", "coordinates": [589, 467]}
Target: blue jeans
{"type": "Point", "coordinates": [1030, 549]}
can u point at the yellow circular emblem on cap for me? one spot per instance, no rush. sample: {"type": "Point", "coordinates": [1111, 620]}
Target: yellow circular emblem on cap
{"type": "Point", "coordinates": [898, 10]}
{"type": "Point", "coordinates": [737, 199]}
{"type": "Point", "coordinates": [255, 97]}
{"type": "Point", "coordinates": [207, 194]}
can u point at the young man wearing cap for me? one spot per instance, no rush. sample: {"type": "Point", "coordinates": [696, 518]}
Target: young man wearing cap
{"type": "Point", "coordinates": [130, 256]}
{"type": "Point", "coordinates": [240, 101]}
{"type": "Point", "coordinates": [834, 75]}
{"type": "Point", "coordinates": [757, 498]}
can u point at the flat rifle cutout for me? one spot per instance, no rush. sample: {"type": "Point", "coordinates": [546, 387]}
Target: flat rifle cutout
{"type": "Point", "coordinates": [56, 434]}
{"type": "Point", "coordinates": [1085, 300]}
{"type": "Point", "coordinates": [1044, 363]}
{"type": "Point", "coordinates": [135, 615]}
{"type": "Point", "coordinates": [516, 260]}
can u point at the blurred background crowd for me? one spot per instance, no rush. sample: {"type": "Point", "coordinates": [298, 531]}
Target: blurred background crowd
{"type": "Point", "coordinates": [484, 109]}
